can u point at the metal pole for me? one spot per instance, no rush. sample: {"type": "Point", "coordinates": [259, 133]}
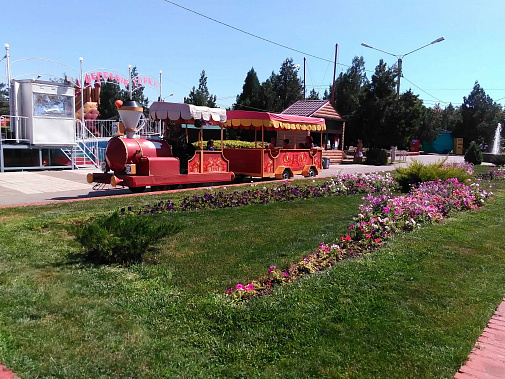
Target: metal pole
{"type": "Point", "coordinates": [81, 59]}
{"type": "Point", "coordinates": [399, 76]}
{"type": "Point", "coordinates": [304, 86]}
{"type": "Point", "coordinates": [130, 81]}
{"type": "Point", "coordinates": [8, 72]}
{"type": "Point", "coordinates": [334, 72]}
{"type": "Point", "coordinates": [73, 157]}
{"type": "Point", "coordinates": [160, 86]}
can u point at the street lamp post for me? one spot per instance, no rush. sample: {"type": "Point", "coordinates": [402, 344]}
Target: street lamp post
{"type": "Point", "coordinates": [400, 58]}
{"type": "Point", "coordinates": [81, 59]}
{"type": "Point", "coordinates": [130, 81]}
{"type": "Point", "coordinates": [160, 84]}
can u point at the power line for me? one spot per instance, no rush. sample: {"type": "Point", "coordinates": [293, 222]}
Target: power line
{"type": "Point", "coordinates": [436, 98]}
{"type": "Point", "coordinates": [249, 33]}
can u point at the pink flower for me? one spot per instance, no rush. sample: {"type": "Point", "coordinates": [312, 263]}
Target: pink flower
{"type": "Point", "coordinates": [229, 290]}
{"type": "Point", "coordinates": [240, 287]}
{"type": "Point", "coordinates": [348, 238]}
{"type": "Point", "coordinates": [368, 236]}
{"type": "Point", "coordinates": [377, 240]}
{"type": "Point", "coordinates": [286, 275]}
{"type": "Point", "coordinates": [250, 287]}
{"type": "Point", "coordinates": [271, 268]}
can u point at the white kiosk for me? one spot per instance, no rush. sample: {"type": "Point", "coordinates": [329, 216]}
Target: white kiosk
{"type": "Point", "coordinates": [42, 123]}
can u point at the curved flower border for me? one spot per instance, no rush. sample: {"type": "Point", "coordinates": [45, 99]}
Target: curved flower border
{"type": "Point", "coordinates": [381, 216]}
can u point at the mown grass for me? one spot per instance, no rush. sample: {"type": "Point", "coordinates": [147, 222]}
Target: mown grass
{"type": "Point", "coordinates": [413, 308]}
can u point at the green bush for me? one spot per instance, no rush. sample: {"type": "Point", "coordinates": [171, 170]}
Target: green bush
{"type": "Point", "coordinates": [416, 173]}
{"type": "Point", "coordinates": [473, 155]}
{"type": "Point", "coordinates": [498, 160]}
{"type": "Point", "coordinates": [120, 238]}
{"type": "Point", "coordinates": [231, 144]}
{"type": "Point", "coordinates": [377, 157]}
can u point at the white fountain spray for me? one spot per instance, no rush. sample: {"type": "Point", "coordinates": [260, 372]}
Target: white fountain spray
{"type": "Point", "coordinates": [497, 140]}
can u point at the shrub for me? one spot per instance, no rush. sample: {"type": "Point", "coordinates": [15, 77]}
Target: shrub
{"type": "Point", "coordinates": [473, 155]}
{"type": "Point", "coordinates": [120, 238]}
{"type": "Point", "coordinates": [416, 173]}
{"type": "Point", "coordinates": [377, 157]}
{"type": "Point", "coordinates": [498, 160]}
{"type": "Point", "coordinates": [230, 144]}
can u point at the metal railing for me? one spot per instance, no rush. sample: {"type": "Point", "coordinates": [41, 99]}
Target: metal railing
{"type": "Point", "coordinates": [86, 148]}
{"type": "Point", "coordinates": [14, 128]}
{"type": "Point", "coordinates": [109, 128]}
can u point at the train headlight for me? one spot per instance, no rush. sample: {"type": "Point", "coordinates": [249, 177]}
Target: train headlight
{"type": "Point", "coordinates": [130, 169]}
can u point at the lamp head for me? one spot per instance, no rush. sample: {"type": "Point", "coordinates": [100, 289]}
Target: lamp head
{"type": "Point", "coordinates": [366, 45]}
{"type": "Point", "coordinates": [6, 46]}
{"type": "Point", "coordinates": [438, 40]}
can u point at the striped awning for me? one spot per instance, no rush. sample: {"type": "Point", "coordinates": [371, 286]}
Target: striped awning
{"type": "Point", "coordinates": [272, 121]}
{"type": "Point", "coordinates": [186, 113]}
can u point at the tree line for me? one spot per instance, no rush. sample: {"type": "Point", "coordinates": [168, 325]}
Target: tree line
{"type": "Point", "coordinates": [371, 107]}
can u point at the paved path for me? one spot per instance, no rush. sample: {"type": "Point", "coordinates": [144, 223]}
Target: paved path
{"type": "Point", "coordinates": [487, 359]}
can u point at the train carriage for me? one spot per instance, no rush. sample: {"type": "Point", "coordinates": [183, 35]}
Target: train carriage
{"type": "Point", "coordinates": [275, 162]}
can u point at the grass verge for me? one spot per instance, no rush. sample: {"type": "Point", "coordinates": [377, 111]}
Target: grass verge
{"type": "Point", "coordinates": [413, 308]}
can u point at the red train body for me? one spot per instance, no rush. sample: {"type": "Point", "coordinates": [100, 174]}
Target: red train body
{"type": "Point", "coordinates": [139, 163]}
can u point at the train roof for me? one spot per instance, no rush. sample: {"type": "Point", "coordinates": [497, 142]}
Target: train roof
{"type": "Point", "coordinates": [186, 113]}
{"type": "Point", "coordinates": [273, 121]}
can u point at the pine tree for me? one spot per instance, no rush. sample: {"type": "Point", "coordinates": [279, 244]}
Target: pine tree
{"type": "Point", "coordinates": [249, 99]}
{"type": "Point", "coordinates": [201, 96]}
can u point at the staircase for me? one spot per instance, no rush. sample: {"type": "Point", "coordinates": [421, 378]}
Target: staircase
{"type": "Point", "coordinates": [336, 156]}
{"type": "Point", "coordinates": [84, 153]}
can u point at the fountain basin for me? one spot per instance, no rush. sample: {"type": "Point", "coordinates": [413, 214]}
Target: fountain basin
{"type": "Point", "coordinates": [496, 159]}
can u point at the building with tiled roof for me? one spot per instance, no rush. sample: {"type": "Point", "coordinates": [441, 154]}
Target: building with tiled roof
{"type": "Point", "coordinates": [335, 124]}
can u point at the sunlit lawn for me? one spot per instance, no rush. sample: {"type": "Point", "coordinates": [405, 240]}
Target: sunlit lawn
{"type": "Point", "coordinates": [412, 309]}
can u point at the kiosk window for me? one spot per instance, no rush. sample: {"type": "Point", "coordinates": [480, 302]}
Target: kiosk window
{"type": "Point", "coordinates": [52, 105]}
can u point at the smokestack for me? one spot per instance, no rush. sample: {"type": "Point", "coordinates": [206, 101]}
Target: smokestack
{"type": "Point", "coordinates": [130, 113]}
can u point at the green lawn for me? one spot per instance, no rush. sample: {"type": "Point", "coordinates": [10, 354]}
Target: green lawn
{"type": "Point", "coordinates": [412, 309]}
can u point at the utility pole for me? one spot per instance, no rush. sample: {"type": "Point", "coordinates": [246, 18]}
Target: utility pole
{"type": "Point", "coordinates": [334, 73]}
{"type": "Point", "coordinates": [400, 59]}
{"type": "Point", "coordinates": [304, 87]}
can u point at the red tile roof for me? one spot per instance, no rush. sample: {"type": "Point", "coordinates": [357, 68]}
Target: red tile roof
{"type": "Point", "coordinates": [313, 108]}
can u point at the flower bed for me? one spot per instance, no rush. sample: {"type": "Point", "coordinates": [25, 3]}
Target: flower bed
{"type": "Point", "coordinates": [347, 184]}
{"type": "Point", "coordinates": [380, 217]}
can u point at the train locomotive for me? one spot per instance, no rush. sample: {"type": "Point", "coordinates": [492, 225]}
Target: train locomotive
{"type": "Point", "coordinates": [138, 163]}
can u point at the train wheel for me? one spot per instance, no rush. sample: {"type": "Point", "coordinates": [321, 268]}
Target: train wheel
{"type": "Point", "coordinates": [286, 174]}
{"type": "Point", "coordinates": [137, 189]}
{"type": "Point", "coordinates": [312, 172]}
{"type": "Point", "coordinates": [239, 178]}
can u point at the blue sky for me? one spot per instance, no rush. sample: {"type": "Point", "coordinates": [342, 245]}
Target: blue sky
{"type": "Point", "coordinates": [156, 35]}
